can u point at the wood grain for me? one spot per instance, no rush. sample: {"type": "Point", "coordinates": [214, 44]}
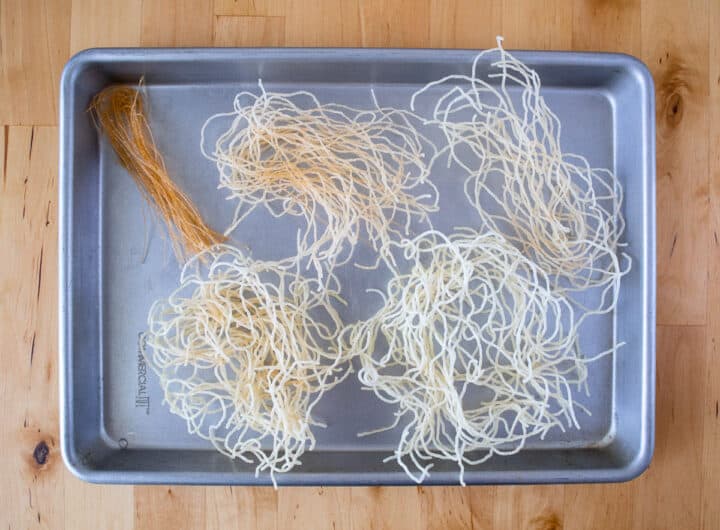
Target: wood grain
{"type": "Point", "coordinates": [711, 404]}
{"type": "Point", "coordinates": [249, 31]}
{"type": "Point", "coordinates": [253, 8]}
{"type": "Point", "coordinates": [95, 507]}
{"type": "Point", "coordinates": [31, 469]}
{"type": "Point", "coordinates": [322, 23]}
{"type": "Point", "coordinates": [176, 23]}
{"type": "Point", "coordinates": [540, 507]}
{"type": "Point", "coordinates": [387, 508]}
{"type": "Point", "coordinates": [169, 507]}
{"type": "Point", "coordinates": [399, 24]}
{"type": "Point", "coordinates": [603, 506]}
{"type": "Point", "coordinates": [678, 59]}
{"type": "Point", "coordinates": [34, 45]}
{"type": "Point", "coordinates": [101, 23]}
{"type": "Point", "coordinates": [681, 45]}
{"type": "Point", "coordinates": [233, 507]}
{"type": "Point", "coordinates": [669, 495]}
{"type": "Point", "coordinates": [446, 508]}
{"type": "Point", "coordinates": [607, 26]}
{"type": "Point", "coordinates": [537, 24]}
{"type": "Point", "coordinates": [453, 26]}
{"type": "Point", "coordinates": [299, 508]}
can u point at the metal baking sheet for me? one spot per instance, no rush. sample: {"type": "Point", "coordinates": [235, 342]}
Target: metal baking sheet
{"type": "Point", "coordinates": [114, 261]}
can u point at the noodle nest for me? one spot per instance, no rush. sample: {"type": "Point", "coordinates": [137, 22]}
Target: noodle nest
{"type": "Point", "coordinates": [243, 353]}
{"type": "Point", "coordinates": [473, 349]}
{"type": "Point", "coordinates": [351, 174]}
{"type": "Point", "coordinates": [558, 210]}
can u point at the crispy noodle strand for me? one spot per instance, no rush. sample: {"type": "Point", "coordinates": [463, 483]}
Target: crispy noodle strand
{"type": "Point", "coordinates": [243, 356]}
{"type": "Point", "coordinates": [339, 168]}
{"type": "Point", "coordinates": [472, 349]}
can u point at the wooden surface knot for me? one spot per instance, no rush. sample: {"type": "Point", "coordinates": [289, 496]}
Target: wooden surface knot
{"type": "Point", "coordinates": [41, 453]}
{"type": "Point", "coordinates": [550, 521]}
{"type": "Point", "coordinates": [676, 83]}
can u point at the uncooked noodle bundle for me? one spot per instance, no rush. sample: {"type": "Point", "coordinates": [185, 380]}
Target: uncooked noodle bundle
{"type": "Point", "coordinates": [558, 210]}
{"type": "Point", "coordinates": [242, 350]}
{"type": "Point", "coordinates": [471, 347]}
{"type": "Point", "coordinates": [340, 168]}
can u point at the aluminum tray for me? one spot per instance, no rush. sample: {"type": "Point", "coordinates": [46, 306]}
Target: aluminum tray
{"type": "Point", "coordinates": [114, 262]}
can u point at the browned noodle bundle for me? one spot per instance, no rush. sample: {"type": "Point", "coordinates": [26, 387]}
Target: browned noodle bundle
{"type": "Point", "coordinates": [119, 110]}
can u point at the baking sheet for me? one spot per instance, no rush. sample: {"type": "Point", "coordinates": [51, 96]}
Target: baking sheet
{"type": "Point", "coordinates": [115, 261]}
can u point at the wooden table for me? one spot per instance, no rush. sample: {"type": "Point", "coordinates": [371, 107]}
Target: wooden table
{"type": "Point", "coordinates": [680, 42]}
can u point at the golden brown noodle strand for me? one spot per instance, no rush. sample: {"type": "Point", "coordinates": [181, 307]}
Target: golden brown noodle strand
{"type": "Point", "coordinates": [119, 110]}
{"type": "Point", "coordinates": [244, 351]}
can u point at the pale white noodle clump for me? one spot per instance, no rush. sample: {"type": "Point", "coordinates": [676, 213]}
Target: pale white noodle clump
{"type": "Point", "coordinates": [342, 169]}
{"type": "Point", "coordinates": [558, 210]}
{"type": "Point", "coordinates": [473, 349]}
{"type": "Point", "coordinates": [242, 352]}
